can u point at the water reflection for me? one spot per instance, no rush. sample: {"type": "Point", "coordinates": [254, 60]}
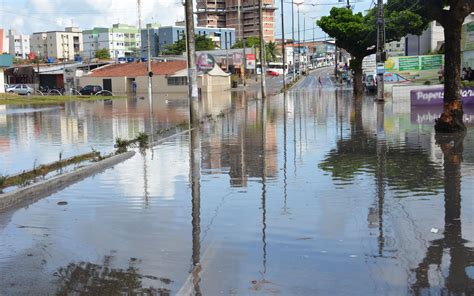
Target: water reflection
{"type": "Point", "coordinates": [93, 279]}
{"type": "Point", "coordinates": [452, 247]}
{"type": "Point", "coordinates": [408, 167]}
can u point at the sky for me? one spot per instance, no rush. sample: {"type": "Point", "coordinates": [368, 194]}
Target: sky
{"type": "Point", "coordinates": [28, 16]}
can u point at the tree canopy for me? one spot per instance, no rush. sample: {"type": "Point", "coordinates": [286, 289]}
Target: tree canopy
{"type": "Point", "coordinates": [357, 33]}
{"type": "Point", "coordinates": [102, 54]}
{"type": "Point", "coordinates": [202, 43]}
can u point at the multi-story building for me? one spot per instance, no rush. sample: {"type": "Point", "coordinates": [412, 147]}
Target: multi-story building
{"type": "Point", "coordinates": [396, 48]}
{"type": "Point", "coordinates": [62, 45]}
{"type": "Point", "coordinates": [223, 38]}
{"type": "Point", "coordinates": [121, 41]}
{"type": "Point", "coordinates": [16, 45]}
{"type": "Point", "coordinates": [242, 15]}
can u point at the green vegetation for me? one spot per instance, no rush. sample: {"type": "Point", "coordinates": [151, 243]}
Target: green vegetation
{"type": "Point", "coordinates": [140, 141]}
{"type": "Point", "coordinates": [27, 177]}
{"type": "Point", "coordinates": [357, 33]}
{"type": "Point", "coordinates": [102, 54]}
{"type": "Point", "coordinates": [11, 99]}
{"type": "Point", "coordinates": [177, 48]}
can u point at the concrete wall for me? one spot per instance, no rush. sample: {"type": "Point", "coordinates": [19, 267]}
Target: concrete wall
{"type": "Point", "coordinates": [2, 81]}
{"type": "Point", "coordinates": [210, 84]}
{"type": "Point", "coordinates": [119, 84]}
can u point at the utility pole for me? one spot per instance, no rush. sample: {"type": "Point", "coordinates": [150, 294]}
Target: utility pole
{"type": "Point", "coordinates": [283, 44]}
{"type": "Point", "coordinates": [299, 42]}
{"type": "Point", "coordinates": [139, 15]}
{"type": "Point", "coordinates": [381, 55]}
{"type": "Point", "coordinates": [150, 75]}
{"type": "Point", "coordinates": [262, 51]}
{"type": "Point", "coordinates": [293, 37]}
{"type": "Point", "coordinates": [241, 29]}
{"type": "Point", "coordinates": [192, 75]}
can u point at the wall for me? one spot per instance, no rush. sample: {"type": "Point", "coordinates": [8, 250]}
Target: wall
{"type": "Point", "coordinates": [119, 84]}
{"type": "Point", "coordinates": [2, 81]}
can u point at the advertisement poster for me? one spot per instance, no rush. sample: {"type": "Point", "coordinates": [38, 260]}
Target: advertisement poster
{"type": "Point", "coordinates": [251, 61]}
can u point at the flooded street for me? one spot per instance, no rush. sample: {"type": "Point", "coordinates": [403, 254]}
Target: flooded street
{"type": "Point", "coordinates": [309, 193]}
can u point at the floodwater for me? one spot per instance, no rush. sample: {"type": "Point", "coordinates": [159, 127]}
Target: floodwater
{"type": "Point", "coordinates": [311, 193]}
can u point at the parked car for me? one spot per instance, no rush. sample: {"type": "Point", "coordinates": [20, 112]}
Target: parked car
{"type": "Point", "coordinates": [90, 89]}
{"type": "Point", "coordinates": [6, 87]}
{"type": "Point", "coordinates": [20, 89]}
{"type": "Point", "coordinates": [273, 73]}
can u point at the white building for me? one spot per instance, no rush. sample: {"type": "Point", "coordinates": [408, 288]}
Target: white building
{"type": "Point", "coordinates": [16, 45]}
{"type": "Point", "coordinates": [121, 41]}
{"type": "Point", "coordinates": [61, 45]}
{"type": "Point", "coordinates": [396, 48]}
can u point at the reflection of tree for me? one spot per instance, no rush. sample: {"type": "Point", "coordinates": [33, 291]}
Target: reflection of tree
{"type": "Point", "coordinates": [461, 257]}
{"type": "Point", "coordinates": [405, 168]}
{"type": "Point", "coordinates": [92, 279]}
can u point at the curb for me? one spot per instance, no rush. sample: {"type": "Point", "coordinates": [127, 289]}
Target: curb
{"type": "Point", "coordinates": [36, 191]}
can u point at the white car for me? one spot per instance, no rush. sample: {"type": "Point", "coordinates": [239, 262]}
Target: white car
{"type": "Point", "coordinates": [20, 89]}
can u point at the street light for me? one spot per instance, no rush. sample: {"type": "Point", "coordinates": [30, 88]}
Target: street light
{"type": "Point", "coordinates": [298, 4]}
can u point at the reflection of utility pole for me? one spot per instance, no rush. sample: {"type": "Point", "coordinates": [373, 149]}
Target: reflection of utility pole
{"type": "Point", "coordinates": [264, 186]}
{"type": "Point", "coordinates": [192, 77]}
{"type": "Point", "coordinates": [285, 178]}
{"type": "Point", "coordinates": [150, 75]}
{"type": "Point", "coordinates": [195, 174]}
{"type": "Point", "coordinates": [262, 51]}
{"type": "Point", "coordinates": [380, 174]}
{"type": "Point", "coordinates": [380, 50]}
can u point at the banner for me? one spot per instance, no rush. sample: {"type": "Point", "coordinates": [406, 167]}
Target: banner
{"type": "Point", "coordinates": [434, 96]}
{"type": "Point", "coordinates": [205, 62]}
{"type": "Point", "coordinates": [251, 61]}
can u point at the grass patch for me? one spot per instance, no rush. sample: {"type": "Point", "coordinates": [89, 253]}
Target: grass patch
{"type": "Point", "coordinates": [26, 177]}
{"type": "Point", "coordinates": [140, 141]}
{"type": "Point", "coordinates": [12, 99]}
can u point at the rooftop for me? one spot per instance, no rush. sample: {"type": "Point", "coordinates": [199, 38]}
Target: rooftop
{"type": "Point", "coordinates": [139, 69]}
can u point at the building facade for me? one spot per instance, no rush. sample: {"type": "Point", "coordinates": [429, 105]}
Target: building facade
{"type": "Point", "coordinates": [18, 45]}
{"type": "Point", "coordinates": [396, 48]}
{"type": "Point", "coordinates": [121, 41]}
{"type": "Point", "coordinates": [242, 15]}
{"type": "Point", "coordinates": [223, 38]}
{"type": "Point", "coordinates": [62, 45]}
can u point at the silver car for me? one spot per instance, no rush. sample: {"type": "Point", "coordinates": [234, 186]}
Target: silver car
{"type": "Point", "coordinates": [20, 89]}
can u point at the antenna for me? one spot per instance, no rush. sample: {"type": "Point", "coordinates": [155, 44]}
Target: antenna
{"type": "Point", "coordinates": [139, 15]}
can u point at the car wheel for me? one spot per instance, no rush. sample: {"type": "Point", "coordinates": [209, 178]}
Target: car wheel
{"type": "Point", "coordinates": [11, 92]}
{"type": "Point", "coordinates": [28, 93]}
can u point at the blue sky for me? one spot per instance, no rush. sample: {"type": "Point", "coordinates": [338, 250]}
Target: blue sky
{"type": "Point", "coordinates": [28, 16]}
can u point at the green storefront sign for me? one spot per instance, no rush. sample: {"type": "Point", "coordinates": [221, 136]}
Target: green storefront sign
{"type": "Point", "coordinates": [408, 63]}
{"type": "Point", "coordinates": [431, 62]}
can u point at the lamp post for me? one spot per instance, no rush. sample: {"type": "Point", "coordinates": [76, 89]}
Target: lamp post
{"type": "Point", "coordinates": [298, 4]}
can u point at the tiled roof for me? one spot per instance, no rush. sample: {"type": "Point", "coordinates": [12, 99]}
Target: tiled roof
{"type": "Point", "coordinates": [138, 69]}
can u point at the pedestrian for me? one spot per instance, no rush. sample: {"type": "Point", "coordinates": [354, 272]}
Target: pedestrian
{"type": "Point", "coordinates": [470, 75]}
{"type": "Point", "coordinates": [464, 74]}
{"type": "Point", "coordinates": [320, 81]}
{"type": "Point", "coordinates": [134, 88]}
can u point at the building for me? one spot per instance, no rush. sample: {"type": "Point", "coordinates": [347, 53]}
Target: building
{"type": "Point", "coordinates": [467, 45]}
{"type": "Point", "coordinates": [169, 77]}
{"type": "Point", "coordinates": [61, 45]}
{"type": "Point", "coordinates": [16, 45]}
{"type": "Point", "coordinates": [395, 48]}
{"type": "Point", "coordinates": [223, 38]}
{"type": "Point", "coordinates": [153, 30]}
{"type": "Point", "coordinates": [430, 41]}
{"type": "Point", "coordinates": [121, 41]}
{"type": "Point", "coordinates": [3, 41]}
{"type": "Point", "coordinates": [6, 61]}
{"type": "Point", "coordinates": [225, 14]}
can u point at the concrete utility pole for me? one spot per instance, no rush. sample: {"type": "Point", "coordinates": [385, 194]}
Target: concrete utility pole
{"type": "Point", "coordinates": [192, 75]}
{"type": "Point", "coordinates": [283, 44]}
{"type": "Point", "coordinates": [299, 42]}
{"type": "Point", "coordinates": [150, 75]}
{"type": "Point", "coordinates": [241, 29]}
{"type": "Point", "coordinates": [262, 51]}
{"type": "Point", "coordinates": [293, 37]}
{"type": "Point", "coordinates": [380, 50]}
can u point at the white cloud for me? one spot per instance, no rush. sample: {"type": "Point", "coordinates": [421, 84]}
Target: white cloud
{"type": "Point", "coordinates": [45, 15]}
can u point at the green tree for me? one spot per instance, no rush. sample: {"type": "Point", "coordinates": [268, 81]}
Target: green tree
{"type": "Point", "coordinates": [102, 54]}
{"type": "Point", "coordinates": [250, 42]}
{"type": "Point", "coordinates": [450, 14]}
{"type": "Point", "coordinates": [357, 33]}
{"type": "Point", "coordinates": [202, 43]}
{"type": "Point", "coordinates": [271, 52]}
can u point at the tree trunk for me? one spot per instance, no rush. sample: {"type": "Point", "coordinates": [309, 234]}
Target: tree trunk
{"type": "Point", "coordinates": [452, 118]}
{"type": "Point", "coordinates": [356, 66]}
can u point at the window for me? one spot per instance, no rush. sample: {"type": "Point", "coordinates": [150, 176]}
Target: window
{"type": "Point", "coordinates": [177, 81]}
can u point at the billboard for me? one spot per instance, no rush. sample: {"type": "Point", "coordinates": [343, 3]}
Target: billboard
{"type": "Point", "coordinates": [435, 96]}
{"type": "Point", "coordinates": [251, 61]}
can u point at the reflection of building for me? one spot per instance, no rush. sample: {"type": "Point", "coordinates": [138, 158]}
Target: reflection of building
{"type": "Point", "coordinates": [224, 14]}
{"type": "Point", "coordinates": [242, 153]}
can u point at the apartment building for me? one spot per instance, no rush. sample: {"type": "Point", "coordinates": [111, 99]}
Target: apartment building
{"type": "Point", "coordinates": [62, 45]}
{"type": "Point", "coordinates": [242, 15]}
{"type": "Point", "coordinates": [121, 40]}
{"type": "Point", "coordinates": [18, 45]}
